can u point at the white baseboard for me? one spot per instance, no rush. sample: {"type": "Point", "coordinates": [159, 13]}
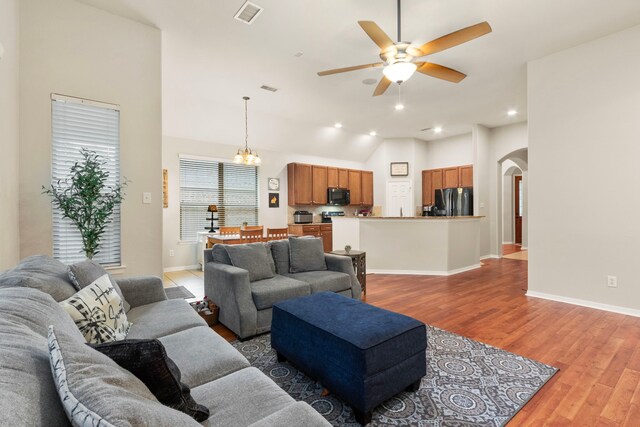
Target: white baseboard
{"type": "Point", "coordinates": [507, 243]}
{"type": "Point", "coordinates": [489, 256]}
{"type": "Point", "coordinates": [585, 303]}
{"type": "Point", "coordinates": [424, 272]}
{"type": "Point", "coordinates": [524, 248]}
{"type": "Point", "coordinates": [182, 268]}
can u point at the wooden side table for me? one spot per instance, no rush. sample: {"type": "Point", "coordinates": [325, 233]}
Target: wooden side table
{"type": "Point", "coordinates": [359, 259]}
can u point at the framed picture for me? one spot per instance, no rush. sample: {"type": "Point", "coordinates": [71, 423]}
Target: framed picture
{"type": "Point", "coordinates": [399, 168]}
{"type": "Point", "coordinates": [273, 184]}
{"type": "Point", "coordinates": [274, 200]}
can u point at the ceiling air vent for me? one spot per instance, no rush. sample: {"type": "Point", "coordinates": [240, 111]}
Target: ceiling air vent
{"type": "Point", "coordinates": [248, 12]}
{"type": "Point", "coordinates": [269, 88]}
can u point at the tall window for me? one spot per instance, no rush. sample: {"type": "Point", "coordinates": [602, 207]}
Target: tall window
{"type": "Point", "coordinates": [78, 123]}
{"type": "Point", "coordinates": [232, 187]}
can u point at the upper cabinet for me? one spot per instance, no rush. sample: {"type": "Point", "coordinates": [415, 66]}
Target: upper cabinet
{"type": "Point", "coordinates": [319, 183]}
{"type": "Point", "coordinates": [308, 184]}
{"type": "Point", "coordinates": [435, 179]}
{"type": "Point", "coordinates": [367, 188]}
{"type": "Point", "coordinates": [355, 187]}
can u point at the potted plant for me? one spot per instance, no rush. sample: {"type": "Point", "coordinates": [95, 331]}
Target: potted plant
{"type": "Point", "coordinates": [87, 200]}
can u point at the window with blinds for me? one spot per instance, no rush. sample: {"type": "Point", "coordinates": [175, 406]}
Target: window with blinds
{"type": "Point", "coordinates": [76, 124]}
{"type": "Point", "coordinates": [231, 187]}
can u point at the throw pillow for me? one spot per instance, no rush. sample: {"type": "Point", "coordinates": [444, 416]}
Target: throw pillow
{"type": "Point", "coordinates": [306, 254]}
{"type": "Point", "coordinates": [95, 391]}
{"type": "Point", "coordinates": [84, 273]}
{"type": "Point", "coordinates": [148, 360]}
{"type": "Point", "coordinates": [252, 257]}
{"type": "Point", "coordinates": [98, 313]}
{"type": "Point", "coordinates": [219, 254]}
{"type": "Point", "coordinates": [280, 254]}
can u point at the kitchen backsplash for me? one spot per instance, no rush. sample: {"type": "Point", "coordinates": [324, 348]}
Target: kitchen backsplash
{"type": "Point", "coordinates": [349, 211]}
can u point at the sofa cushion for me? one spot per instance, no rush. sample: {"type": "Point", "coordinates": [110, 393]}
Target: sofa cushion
{"type": "Point", "coordinates": [27, 393]}
{"type": "Point", "coordinates": [220, 254]}
{"type": "Point", "coordinates": [148, 361]}
{"type": "Point", "coordinates": [269, 291]}
{"type": "Point", "coordinates": [40, 272]}
{"type": "Point", "coordinates": [207, 358]}
{"type": "Point", "coordinates": [252, 257]}
{"type": "Point", "coordinates": [94, 390]}
{"type": "Point", "coordinates": [84, 273]}
{"type": "Point", "coordinates": [98, 312]}
{"type": "Point", "coordinates": [321, 281]}
{"type": "Point", "coordinates": [241, 398]}
{"type": "Point", "coordinates": [162, 318]}
{"type": "Point", "coordinates": [280, 254]}
{"type": "Point", "coordinates": [306, 254]}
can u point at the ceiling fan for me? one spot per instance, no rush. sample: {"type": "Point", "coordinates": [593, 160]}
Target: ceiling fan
{"type": "Point", "coordinates": [398, 58]}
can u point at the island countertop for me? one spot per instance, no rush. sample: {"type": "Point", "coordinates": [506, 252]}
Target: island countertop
{"type": "Point", "coordinates": [411, 217]}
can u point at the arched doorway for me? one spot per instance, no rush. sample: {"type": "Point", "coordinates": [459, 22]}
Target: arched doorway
{"type": "Point", "coordinates": [507, 168]}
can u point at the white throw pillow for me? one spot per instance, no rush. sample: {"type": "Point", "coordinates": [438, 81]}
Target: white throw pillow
{"type": "Point", "coordinates": [98, 313]}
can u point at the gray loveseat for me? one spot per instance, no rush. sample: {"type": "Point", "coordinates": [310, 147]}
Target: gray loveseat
{"type": "Point", "coordinates": [219, 376]}
{"type": "Point", "coordinates": [246, 306]}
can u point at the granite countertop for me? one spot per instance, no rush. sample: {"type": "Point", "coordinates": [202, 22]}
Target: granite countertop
{"type": "Point", "coordinates": [420, 217]}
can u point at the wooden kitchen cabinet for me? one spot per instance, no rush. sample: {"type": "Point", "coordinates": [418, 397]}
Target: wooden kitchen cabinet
{"type": "Point", "coordinates": [466, 176]}
{"type": "Point", "coordinates": [319, 185]}
{"type": "Point", "coordinates": [367, 188]}
{"type": "Point", "coordinates": [332, 177]}
{"type": "Point", "coordinates": [437, 179]}
{"type": "Point", "coordinates": [451, 177]}
{"type": "Point", "coordinates": [300, 178]}
{"type": "Point", "coordinates": [355, 187]}
{"type": "Point", "coordinates": [343, 178]}
{"type": "Point", "coordinates": [324, 231]}
{"type": "Point", "coordinates": [427, 188]}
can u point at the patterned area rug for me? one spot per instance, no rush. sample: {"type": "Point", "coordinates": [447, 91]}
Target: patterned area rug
{"type": "Point", "coordinates": [468, 383]}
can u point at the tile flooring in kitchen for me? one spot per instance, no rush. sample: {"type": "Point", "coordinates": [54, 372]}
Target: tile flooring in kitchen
{"type": "Point", "coordinates": [193, 280]}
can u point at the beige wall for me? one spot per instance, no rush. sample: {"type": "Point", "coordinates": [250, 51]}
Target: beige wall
{"type": "Point", "coordinates": [9, 222]}
{"type": "Point", "coordinates": [274, 165]}
{"type": "Point", "coordinates": [77, 50]}
{"type": "Point", "coordinates": [584, 174]}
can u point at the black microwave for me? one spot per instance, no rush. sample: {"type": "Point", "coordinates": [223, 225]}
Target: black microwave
{"type": "Point", "coordinates": [338, 196]}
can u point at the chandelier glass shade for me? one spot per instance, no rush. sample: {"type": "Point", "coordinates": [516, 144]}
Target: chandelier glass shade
{"type": "Point", "coordinates": [399, 71]}
{"type": "Point", "coordinates": [246, 156]}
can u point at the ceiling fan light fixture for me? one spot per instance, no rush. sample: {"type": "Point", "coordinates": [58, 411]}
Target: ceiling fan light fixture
{"type": "Point", "coordinates": [399, 71]}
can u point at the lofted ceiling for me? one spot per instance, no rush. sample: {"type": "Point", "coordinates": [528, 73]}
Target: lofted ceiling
{"type": "Point", "coordinates": [211, 60]}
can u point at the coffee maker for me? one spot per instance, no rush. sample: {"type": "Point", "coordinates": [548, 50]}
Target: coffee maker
{"type": "Point", "coordinates": [429, 210]}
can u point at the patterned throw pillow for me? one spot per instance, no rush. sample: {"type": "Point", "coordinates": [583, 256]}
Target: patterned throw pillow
{"type": "Point", "coordinates": [98, 312]}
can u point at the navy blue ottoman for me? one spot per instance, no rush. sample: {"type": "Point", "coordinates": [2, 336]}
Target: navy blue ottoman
{"type": "Point", "coordinates": [361, 353]}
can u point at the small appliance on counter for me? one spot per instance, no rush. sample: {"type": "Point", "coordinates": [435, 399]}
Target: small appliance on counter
{"type": "Point", "coordinates": [363, 212]}
{"type": "Point", "coordinates": [429, 210]}
{"type": "Point", "coordinates": [327, 216]}
{"type": "Point", "coordinates": [338, 196]}
{"type": "Point", "coordinates": [302, 217]}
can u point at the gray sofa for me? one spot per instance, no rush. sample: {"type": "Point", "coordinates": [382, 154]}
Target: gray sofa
{"type": "Point", "coordinates": [246, 306]}
{"type": "Point", "coordinates": [219, 376]}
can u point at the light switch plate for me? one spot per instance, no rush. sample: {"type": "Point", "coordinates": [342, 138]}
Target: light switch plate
{"type": "Point", "coordinates": [146, 198]}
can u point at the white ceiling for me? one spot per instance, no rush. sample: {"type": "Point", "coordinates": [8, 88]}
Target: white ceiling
{"type": "Point", "coordinates": [211, 60]}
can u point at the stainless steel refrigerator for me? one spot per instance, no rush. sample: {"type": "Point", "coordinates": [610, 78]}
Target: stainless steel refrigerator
{"type": "Point", "coordinates": [454, 201]}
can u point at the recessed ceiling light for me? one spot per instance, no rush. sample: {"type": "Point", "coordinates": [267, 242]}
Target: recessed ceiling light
{"type": "Point", "coordinates": [399, 106]}
{"type": "Point", "coordinates": [512, 112]}
{"type": "Point", "coordinates": [337, 125]}
{"type": "Point", "coordinates": [437, 129]}
{"type": "Point", "coordinates": [369, 81]}
{"type": "Point", "coordinates": [298, 54]}
{"type": "Point", "coordinates": [373, 133]}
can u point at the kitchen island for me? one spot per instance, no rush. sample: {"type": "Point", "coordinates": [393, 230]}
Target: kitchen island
{"type": "Point", "coordinates": [412, 245]}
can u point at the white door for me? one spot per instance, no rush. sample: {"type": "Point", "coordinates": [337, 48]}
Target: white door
{"type": "Point", "coordinates": [399, 198]}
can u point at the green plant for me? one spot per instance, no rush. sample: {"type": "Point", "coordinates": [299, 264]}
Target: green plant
{"type": "Point", "coordinates": [86, 199]}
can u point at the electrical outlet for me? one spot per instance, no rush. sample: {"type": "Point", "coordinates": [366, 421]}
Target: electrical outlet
{"type": "Point", "coordinates": [612, 281]}
{"type": "Point", "coordinates": [171, 252]}
{"type": "Point", "coordinates": [146, 198]}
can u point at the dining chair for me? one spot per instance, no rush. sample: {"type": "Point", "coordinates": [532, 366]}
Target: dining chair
{"type": "Point", "coordinates": [277, 233]}
{"type": "Point", "coordinates": [251, 236]}
{"type": "Point", "coordinates": [229, 230]}
{"type": "Point", "coordinates": [253, 227]}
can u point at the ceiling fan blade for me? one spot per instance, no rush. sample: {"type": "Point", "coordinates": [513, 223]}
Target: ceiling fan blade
{"type": "Point", "coordinates": [382, 86]}
{"type": "Point", "coordinates": [456, 38]}
{"type": "Point", "coordinates": [440, 72]}
{"type": "Point", "coordinates": [376, 34]}
{"type": "Point", "coordinates": [355, 67]}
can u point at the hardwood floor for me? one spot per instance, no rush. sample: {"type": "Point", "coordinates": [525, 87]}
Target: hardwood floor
{"type": "Point", "coordinates": [597, 352]}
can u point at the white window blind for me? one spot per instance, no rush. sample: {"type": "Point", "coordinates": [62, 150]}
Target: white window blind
{"type": "Point", "coordinates": [232, 187]}
{"type": "Point", "coordinates": [77, 124]}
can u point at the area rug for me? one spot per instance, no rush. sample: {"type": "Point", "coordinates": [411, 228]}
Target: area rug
{"type": "Point", "coordinates": [520, 255]}
{"type": "Point", "coordinates": [468, 383]}
{"type": "Point", "coordinates": [177, 292]}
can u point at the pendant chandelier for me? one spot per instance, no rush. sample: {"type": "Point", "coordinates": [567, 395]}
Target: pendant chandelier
{"type": "Point", "coordinates": [246, 156]}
